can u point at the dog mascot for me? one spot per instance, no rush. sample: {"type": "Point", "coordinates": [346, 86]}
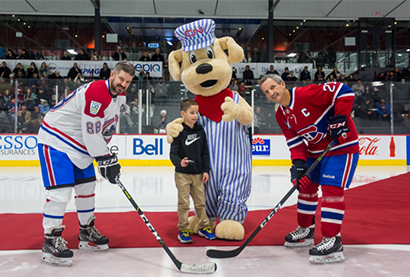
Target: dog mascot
{"type": "Point", "coordinates": [206, 70]}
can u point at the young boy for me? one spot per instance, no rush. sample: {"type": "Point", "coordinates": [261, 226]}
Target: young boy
{"type": "Point", "coordinates": [189, 154]}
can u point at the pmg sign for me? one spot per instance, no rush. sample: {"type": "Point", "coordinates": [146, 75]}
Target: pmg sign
{"type": "Point", "coordinates": [261, 146]}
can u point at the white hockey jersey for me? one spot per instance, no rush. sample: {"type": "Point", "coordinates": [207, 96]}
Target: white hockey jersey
{"type": "Point", "coordinates": [82, 124]}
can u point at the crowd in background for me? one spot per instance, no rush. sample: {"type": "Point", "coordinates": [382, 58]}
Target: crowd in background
{"type": "Point", "coordinates": [36, 90]}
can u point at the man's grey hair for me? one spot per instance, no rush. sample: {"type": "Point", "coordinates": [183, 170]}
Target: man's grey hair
{"type": "Point", "coordinates": [274, 77]}
{"type": "Point", "coordinates": [125, 66]}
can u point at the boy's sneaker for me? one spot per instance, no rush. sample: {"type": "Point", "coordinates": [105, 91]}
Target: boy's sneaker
{"type": "Point", "coordinates": [90, 238]}
{"type": "Point", "coordinates": [184, 236]}
{"type": "Point", "coordinates": [300, 237]}
{"type": "Point", "coordinates": [207, 233]}
{"type": "Point", "coordinates": [55, 250]}
{"type": "Point", "coordinates": [330, 250]}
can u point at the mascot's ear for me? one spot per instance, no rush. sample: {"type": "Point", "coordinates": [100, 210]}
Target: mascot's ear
{"type": "Point", "coordinates": [173, 63]}
{"type": "Point", "coordinates": [235, 52]}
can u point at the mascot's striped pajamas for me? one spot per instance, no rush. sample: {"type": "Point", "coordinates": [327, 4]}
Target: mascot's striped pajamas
{"type": "Point", "coordinates": [230, 157]}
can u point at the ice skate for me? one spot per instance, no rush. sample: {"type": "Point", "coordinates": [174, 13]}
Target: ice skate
{"type": "Point", "coordinates": [300, 237]}
{"type": "Point", "coordinates": [330, 250]}
{"type": "Point", "coordinates": [90, 238]}
{"type": "Point", "coordinates": [55, 250]}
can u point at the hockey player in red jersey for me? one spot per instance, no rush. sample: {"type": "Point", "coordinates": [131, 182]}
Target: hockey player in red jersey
{"type": "Point", "coordinates": [310, 118]}
{"type": "Point", "coordinates": [74, 133]}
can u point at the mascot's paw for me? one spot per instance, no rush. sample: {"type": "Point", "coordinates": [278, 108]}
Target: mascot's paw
{"type": "Point", "coordinates": [193, 224]}
{"type": "Point", "coordinates": [230, 109]}
{"type": "Point", "coordinates": [230, 230]}
{"type": "Point", "coordinates": [174, 128]}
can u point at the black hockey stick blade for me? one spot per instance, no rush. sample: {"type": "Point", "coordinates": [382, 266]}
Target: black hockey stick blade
{"type": "Point", "coordinates": [186, 268]}
{"type": "Point", "coordinates": [221, 254]}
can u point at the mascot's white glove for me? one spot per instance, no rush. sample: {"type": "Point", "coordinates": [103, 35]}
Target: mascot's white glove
{"type": "Point", "coordinates": [174, 129]}
{"type": "Point", "coordinates": [230, 109]}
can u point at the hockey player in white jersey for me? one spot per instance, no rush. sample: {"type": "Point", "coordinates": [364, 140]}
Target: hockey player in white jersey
{"type": "Point", "coordinates": [74, 133]}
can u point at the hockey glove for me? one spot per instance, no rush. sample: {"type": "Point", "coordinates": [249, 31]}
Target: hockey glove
{"type": "Point", "coordinates": [338, 129]}
{"type": "Point", "coordinates": [109, 167]}
{"type": "Point", "coordinates": [297, 177]}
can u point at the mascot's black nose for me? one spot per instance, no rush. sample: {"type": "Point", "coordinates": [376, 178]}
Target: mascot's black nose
{"type": "Point", "coordinates": [203, 68]}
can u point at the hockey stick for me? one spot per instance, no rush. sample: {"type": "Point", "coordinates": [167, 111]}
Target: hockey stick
{"type": "Point", "coordinates": [186, 268]}
{"type": "Point", "coordinates": [213, 253]}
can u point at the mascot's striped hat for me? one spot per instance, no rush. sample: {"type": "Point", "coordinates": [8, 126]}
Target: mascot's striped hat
{"type": "Point", "coordinates": [196, 35]}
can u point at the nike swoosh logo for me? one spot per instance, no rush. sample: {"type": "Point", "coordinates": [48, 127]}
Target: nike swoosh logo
{"type": "Point", "coordinates": [189, 142]}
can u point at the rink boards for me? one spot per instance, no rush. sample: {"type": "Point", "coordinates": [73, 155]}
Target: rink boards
{"type": "Point", "coordinates": [153, 150]}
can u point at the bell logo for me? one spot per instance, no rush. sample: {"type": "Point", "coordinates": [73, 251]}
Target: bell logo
{"type": "Point", "coordinates": [149, 149]}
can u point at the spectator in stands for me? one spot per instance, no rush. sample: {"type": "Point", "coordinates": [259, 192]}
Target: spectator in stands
{"type": "Point", "coordinates": [358, 90]}
{"type": "Point", "coordinates": [335, 74]}
{"type": "Point", "coordinates": [34, 81]}
{"type": "Point", "coordinates": [82, 56]}
{"type": "Point", "coordinates": [10, 55]}
{"type": "Point", "coordinates": [257, 120]}
{"type": "Point", "coordinates": [65, 57]}
{"type": "Point", "coordinates": [145, 57]}
{"type": "Point", "coordinates": [389, 77]}
{"type": "Point", "coordinates": [4, 70]}
{"type": "Point", "coordinates": [247, 74]}
{"type": "Point", "coordinates": [17, 69]}
{"type": "Point", "coordinates": [4, 86]}
{"type": "Point", "coordinates": [165, 47]}
{"type": "Point", "coordinates": [383, 110]}
{"type": "Point", "coordinates": [330, 78]}
{"type": "Point", "coordinates": [37, 55]}
{"type": "Point", "coordinates": [406, 74]}
{"type": "Point", "coordinates": [163, 121]}
{"type": "Point", "coordinates": [44, 107]}
{"type": "Point", "coordinates": [249, 83]}
{"type": "Point", "coordinates": [135, 111]}
{"type": "Point", "coordinates": [305, 57]}
{"type": "Point", "coordinates": [397, 75]}
{"type": "Point", "coordinates": [351, 80]}
{"type": "Point", "coordinates": [31, 70]}
{"type": "Point", "coordinates": [141, 77]}
{"type": "Point", "coordinates": [1, 51]}
{"type": "Point", "coordinates": [96, 56]}
{"type": "Point", "coordinates": [241, 88]}
{"type": "Point", "coordinates": [23, 119]}
{"type": "Point", "coordinates": [272, 70]}
{"type": "Point", "coordinates": [342, 78]}
{"type": "Point", "coordinates": [285, 74]}
{"type": "Point", "coordinates": [161, 89]}
{"type": "Point", "coordinates": [24, 55]}
{"type": "Point", "coordinates": [44, 70]}
{"type": "Point", "coordinates": [56, 77]}
{"type": "Point", "coordinates": [291, 76]}
{"type": "Point", "coordinates": [43, 83]}
{"type": "Point", "coordinates": [380, 77]}
{"type": "Point", "coordinates": [74, 72]}
{"type": "Point", "coordinates": [305, 75]}
{"type": "Point", "coordinates": [366, 109]}
{"type": "Point", "coordinates": [11, 79]}
{"type": "Point", "coordinates": [234, 86]}
{"type": "Point", "coordinates": [157, 57]}
{"type": "Point", "coordinates": [125, 116]}
{"type": "Point", "coordinates": [42, 94]}
{"type": "Point", "coordinates": [319, 72]}
{"type": "Point", "coordinates": [30, 99]}
{"type": "Point", "coordinates": [7, 96]}
{"type": "Point", "coordinates": [105, 72]}
{"type": "Point", "coordinates": [119, 55]}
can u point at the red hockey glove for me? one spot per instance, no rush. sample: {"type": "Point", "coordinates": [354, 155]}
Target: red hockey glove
{"type": "Point", "coordinates": [338, 129]}
{"type": "Point", "coordinates": [297, 175]}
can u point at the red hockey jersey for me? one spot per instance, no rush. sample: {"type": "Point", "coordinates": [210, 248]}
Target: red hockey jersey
{"type": "Point", "coordinates": [305, 122]}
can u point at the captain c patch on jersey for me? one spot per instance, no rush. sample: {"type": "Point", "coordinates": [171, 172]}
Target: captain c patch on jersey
{"type": "Point", "coordinates": [94, 107]}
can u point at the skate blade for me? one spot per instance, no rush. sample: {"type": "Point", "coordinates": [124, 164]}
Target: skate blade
{"type": "Point", "coordinates": [332, 258]}
{"type": "Point", "coordinates": [306, 242]}
{"type": "Point", "coordinates": [86, 245]}
{"type": "Point", "coordinates": [49, 258]}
